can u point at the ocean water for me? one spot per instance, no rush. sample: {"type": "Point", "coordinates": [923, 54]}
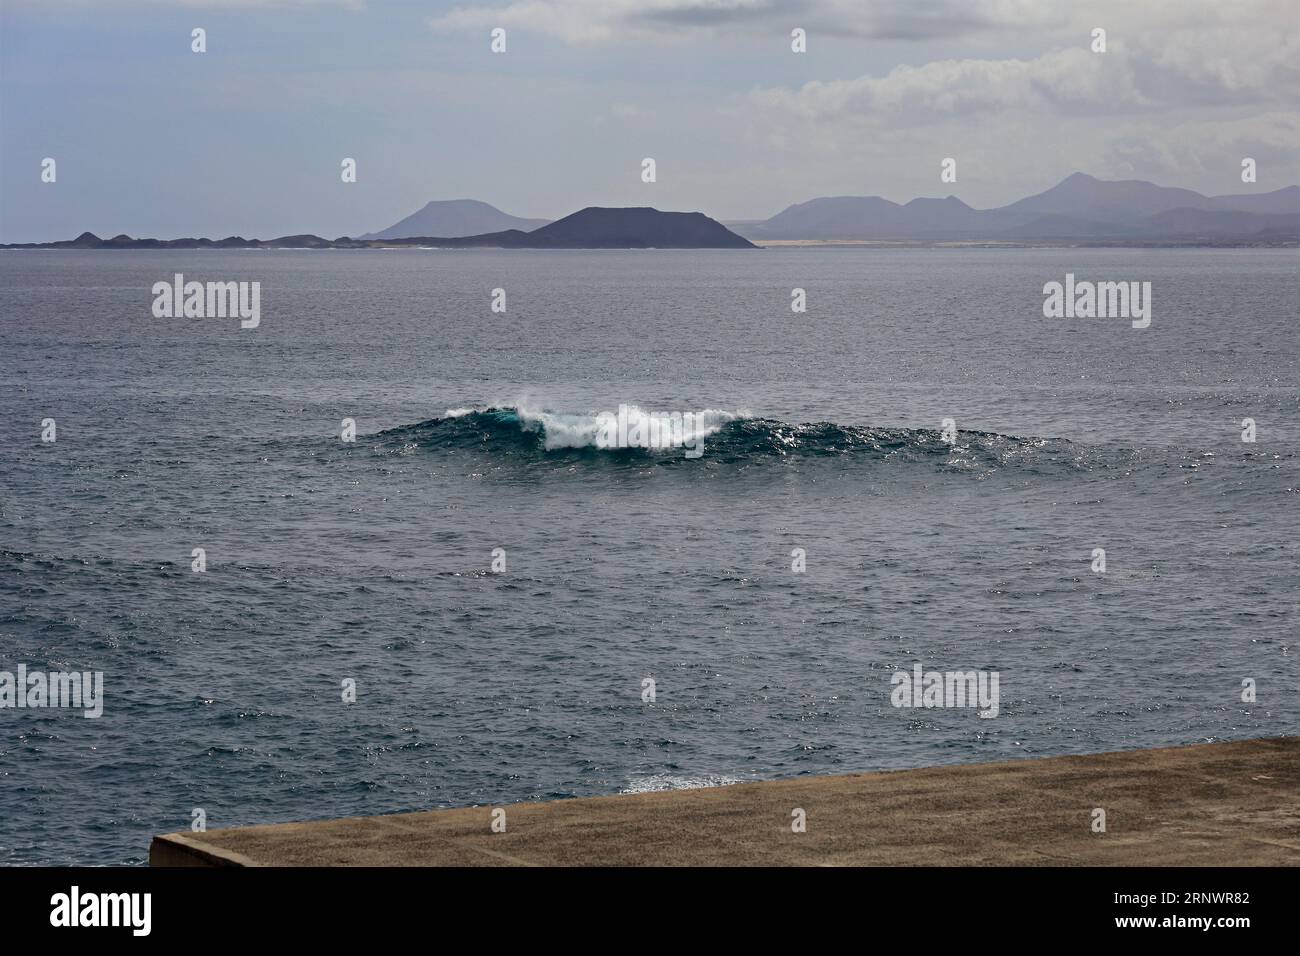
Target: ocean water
{"type": "Point", "coordinates": [371, 561]}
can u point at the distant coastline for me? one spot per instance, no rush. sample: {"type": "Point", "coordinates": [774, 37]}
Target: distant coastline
{"type": "Point", "coordinates": [591, 228]}
{"type": "Point", "coordinates": [1063, 243]}
{"type": "Point", "coordinates": [1081, 210]}
{"type": "Point", "coordinates": [88, 241]}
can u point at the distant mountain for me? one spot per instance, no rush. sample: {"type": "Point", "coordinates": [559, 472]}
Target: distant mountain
{"type": "Point", "coordinates": [865, 217]}
{"type": "Point", "coordinates": [634, 227]}
{"type": "Point", "coordinates": [1278, 201]}
{"type": "Point", "coordinates": [597, 227]}
{"type": "Point", "coordinates": [591, 228]}
{"type": "Point", "coordinates": [1080, 207]}
{"type": "Point", "coordinates": [454, 218]}
{"type": "Point", "coordinates": [1086, 197]}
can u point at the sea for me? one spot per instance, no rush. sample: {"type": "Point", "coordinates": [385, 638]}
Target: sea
{"type": "Point", "coordinates": [474, 602]}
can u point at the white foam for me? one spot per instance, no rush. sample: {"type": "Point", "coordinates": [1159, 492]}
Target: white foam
{"type": "Point", "coordinates": [574, 430]}
{"type": "Point", "coordinates": [654, 783]}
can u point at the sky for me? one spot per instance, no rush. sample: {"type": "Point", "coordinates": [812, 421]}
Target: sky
{"type": "Point", "coordinates": [152, 139]}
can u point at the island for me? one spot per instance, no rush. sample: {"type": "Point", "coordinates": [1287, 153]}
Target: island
{"type": "Point", "coordinates": [596, 227]}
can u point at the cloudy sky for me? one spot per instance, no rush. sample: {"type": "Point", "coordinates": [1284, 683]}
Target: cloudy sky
{"type": "Point", "coordinates": [152, 139]}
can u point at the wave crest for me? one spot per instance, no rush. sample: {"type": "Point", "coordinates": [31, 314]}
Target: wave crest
{"type": "Point", "coordinates": [732, 438]}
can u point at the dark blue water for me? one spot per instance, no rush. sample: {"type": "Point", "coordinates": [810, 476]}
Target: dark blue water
{"type": "Point", "coordinates": [371, 561]}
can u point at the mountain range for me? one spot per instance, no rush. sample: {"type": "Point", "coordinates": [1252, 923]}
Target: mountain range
{"type": "Point", "coordinates": [1080, 207]}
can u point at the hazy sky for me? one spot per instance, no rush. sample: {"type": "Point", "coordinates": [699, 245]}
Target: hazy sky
{"type": "Point", "coordinates": [247, 138]}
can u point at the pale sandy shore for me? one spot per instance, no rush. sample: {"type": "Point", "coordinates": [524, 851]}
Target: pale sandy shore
{"type": "Point", "coordinates": [1221, 804]}
{"type": "Point", "coordinates": [899, 243]}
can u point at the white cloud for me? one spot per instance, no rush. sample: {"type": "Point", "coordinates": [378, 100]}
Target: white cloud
{"type": "Point", "coordinates": [1214, 60]}
{"type": "Point", "coordinates": [1212, 149]}
{"type": "Point", "coordinates": [1067, 78]}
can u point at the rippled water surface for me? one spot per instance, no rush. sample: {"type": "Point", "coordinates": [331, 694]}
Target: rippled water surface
{"type": "Point", "coordinates": [371, 561]}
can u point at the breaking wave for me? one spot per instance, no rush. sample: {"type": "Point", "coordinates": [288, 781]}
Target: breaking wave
{"type": "Point", "coordinates": [732, 437]}
{"type": "Point", "coordinates": [575, 430]}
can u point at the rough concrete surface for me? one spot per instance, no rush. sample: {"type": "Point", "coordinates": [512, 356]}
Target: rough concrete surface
{"type": "Point", "coordinates": [1220, 804]}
